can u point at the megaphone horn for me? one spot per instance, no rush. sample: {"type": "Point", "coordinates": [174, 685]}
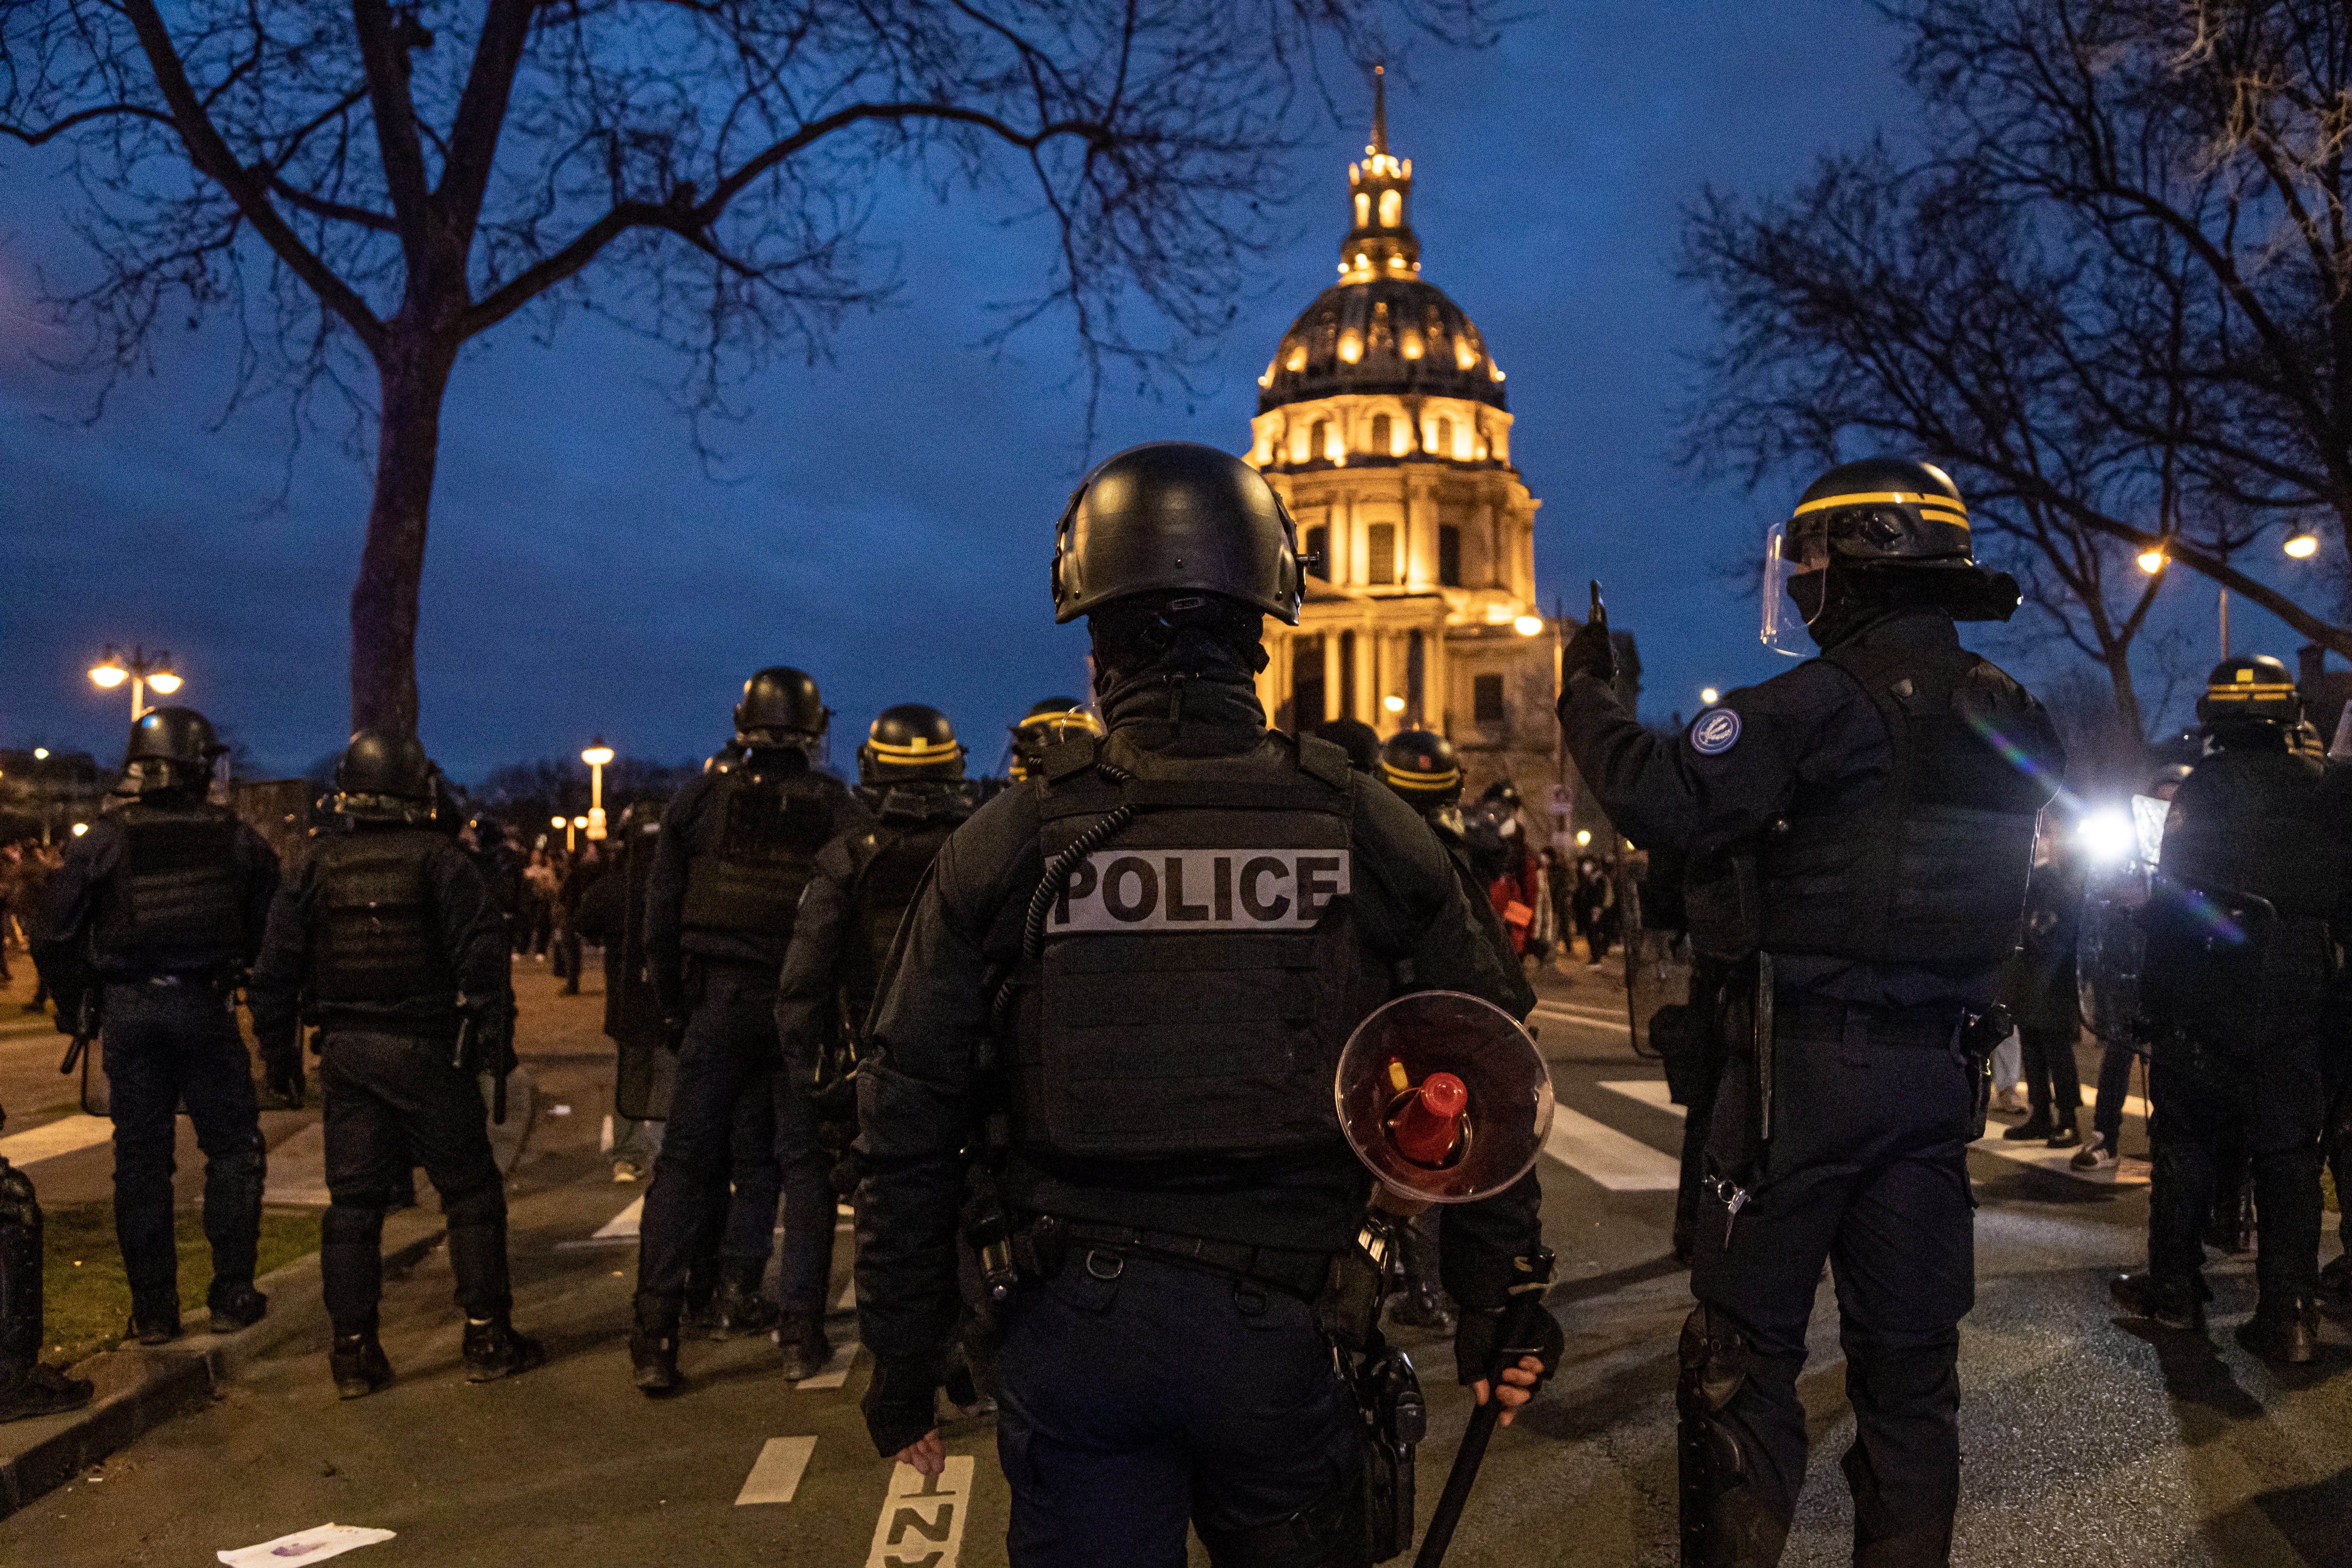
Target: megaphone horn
{"type": "Point", "coordinates": [1443, 1097]}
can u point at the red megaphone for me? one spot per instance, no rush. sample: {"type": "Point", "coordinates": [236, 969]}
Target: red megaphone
{"type": "Point", "coordinates": [1443, 1097]}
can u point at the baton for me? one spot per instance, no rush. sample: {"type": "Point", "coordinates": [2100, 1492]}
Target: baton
{"type": "Point", "coordinates": [1518, 1337]}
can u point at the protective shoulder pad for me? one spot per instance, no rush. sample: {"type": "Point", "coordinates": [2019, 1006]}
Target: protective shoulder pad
{"type": "Point", "coordinates": [1063, 758]}
{"type": "Point", "coordinates": [1320, 759]}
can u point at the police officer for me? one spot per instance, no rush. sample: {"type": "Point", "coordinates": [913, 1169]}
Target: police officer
{"type": "Point", "coordinates": [390, 940]}
{"type": "Point", "coordinates": [736, 848]}
{"type": "Point", "coordinates": [27, 1386]}
{"type": "Point", "coordinates": [1049, 721]}
{"type": "Point", "coordinates": [1858, 833]}
{"type": "Point", "coordinates": [155, 916]}
{"type": "Point", "coordinates": [1131, 977]}
{"type": "Point", "coordinates": [911, 774]}
{"type": "Point", "coordinates": [2236, 975]}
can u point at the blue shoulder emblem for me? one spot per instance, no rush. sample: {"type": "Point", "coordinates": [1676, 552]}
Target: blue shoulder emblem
{"type": "Point", "coordinates": [1715, 731]}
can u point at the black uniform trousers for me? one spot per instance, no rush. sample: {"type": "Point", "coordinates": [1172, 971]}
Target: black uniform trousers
{"type": "Point", "coordinates": [1867, 1171]}
{"type": "Point", "coordinates": [731, 1088]}
{"type": "Point", "coordinates": [172, 1041]}
{"type": "Point", "coordinates": [1136, 1396]}
{"type": "Point", "coordinates": [391, 1101]}
{"type": "Point", "coordinates": [2207, 1100]}
{"type": "Point", "coordinates": [2052, 1077]}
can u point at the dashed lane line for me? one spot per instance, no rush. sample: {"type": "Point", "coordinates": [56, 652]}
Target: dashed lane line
{"type": "Point", "coordinates": [1600, 1153]}
{"type": "Point", "coordinates": [837, 1371]}
{"type": "Point", "coordinates": [923, 1517]}
{"type": "Point", "coordinates": [1582, 1017]}
{"type": "Point", "coordinates": [776, 1473]}
{"type": "Point", "coordinates": [51, 1139]}
{"type": "Point", "coordinates": [1650, 1092]}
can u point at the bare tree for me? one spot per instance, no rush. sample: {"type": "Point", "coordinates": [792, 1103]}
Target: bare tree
{"type": "Point", "coordinates": [366, 189]}
{"type": "Point", "coordinates": [2112, 289]}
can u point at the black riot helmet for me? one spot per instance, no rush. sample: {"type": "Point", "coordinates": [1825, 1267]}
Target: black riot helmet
{"type": "Point", "coordinates": [909, 741]}
{"type": "Point", "coordinates": [1880, 531]}
{"type": "Point", "coordinates": [1421, 766]}
{"type": "Point", "coordinates": [170, 748]}
{"type": "Point", "coordinates": [2251, 688]}
{"type": "Point", "coordinates": [1048, 723]}
{"type": "Point", "coordinates": [780, 708]}
{"type": "Point", "coordinates": [386, 776]}
{"type": "Point", "coordinates": [1358, 738]}
{"type": "Point", "coordinates": [1176, 516]}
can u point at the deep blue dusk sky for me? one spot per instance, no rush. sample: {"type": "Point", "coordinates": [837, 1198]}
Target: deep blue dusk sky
{"type": "Point", "coordinates": [885, 519]}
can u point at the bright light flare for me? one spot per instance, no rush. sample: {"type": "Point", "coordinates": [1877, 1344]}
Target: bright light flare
{"type": "Point", "coordinates": [2151, 562]}
{"type": "Point", "coordinates": [81, 828]}
{"type": "Point", "coordinates": [1583, 837]}
{"type": "Point", "coordinates": [2302, 547]}
{"type": "Point", "coordinates": [40, 754]}
{"type": "Point", "coordinates": [597, 755]}
{"type": "Point", "coordinates": [1528, 625]}
{"type": "Point", "coordinates": [1394, 704]}
{"type": "Point", "coordinates": [557, 821]}
{"type": "Point", "coordinates": [579, 822]}
{"type": "Point", "coordinates": [1709, 695]}
{"type": "Point", "coordinates": [109, 675]}
{"type": "Point", "coordinates": [164, 681]}
{"type": "Point", "coordinates": [2108, 836]}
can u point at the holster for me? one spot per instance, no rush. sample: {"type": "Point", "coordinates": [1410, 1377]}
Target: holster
{"type": "Point", "coordinates": [1982, 1035]}
{"type": "Point", "coordinates": [1388, 1392]}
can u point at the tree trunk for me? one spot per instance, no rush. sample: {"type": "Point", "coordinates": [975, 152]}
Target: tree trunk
{"type": "Point", "coordinates": [413, 378]}
{"type": "Point", "coordinates": [2129, 718]}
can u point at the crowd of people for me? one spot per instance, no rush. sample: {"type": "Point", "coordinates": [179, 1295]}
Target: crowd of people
{"type": "Point", "coordinates": [1067, 1042]}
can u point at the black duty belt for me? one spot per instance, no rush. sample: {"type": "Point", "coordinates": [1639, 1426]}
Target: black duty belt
{"type": "Point", "coordinates": [1295, 1272]}
{"type": "Point", "coordinates": [1927, 1028]}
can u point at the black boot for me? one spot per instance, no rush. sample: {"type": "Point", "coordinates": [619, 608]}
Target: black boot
{"type": "Point", "coordinates": [2175, 1303]}
{"type": "Point", "coordinates": [2036, 1125]}
{"type": "Point", "coordinates": [2336, 1281]}
{"type": "Point", "coordinates": [155, 1322]}
{"type": "Point", "coordinates": [2283, 1332]}
{"type": "Point", "coordinates": [738, 1306]}
{"type": "Point", "coordinates": [2065, 1128]}
{"type": "Point", "coordinates": [358, 1364]}
{"type": "Point", "coordinates": [653, 1344]}
{"type": "Point", "coordinates": [41, 1391]}
{"type": "Point", "coordinates": [237, 1307]}
{"type": "Point", "coordinates": [800, 1335]}
{"type": "Point", "coordinates": [493, 1348]}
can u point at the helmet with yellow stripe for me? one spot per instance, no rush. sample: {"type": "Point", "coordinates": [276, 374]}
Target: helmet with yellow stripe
{"type": "Point", "coordinates": [909, 741]}
{"type": "Point", "coordinates": [1421, 767]}
{"type": "Point", "coordinates": [2249, 689]}
{"type": "Point", "coordinates": [1049, 722]}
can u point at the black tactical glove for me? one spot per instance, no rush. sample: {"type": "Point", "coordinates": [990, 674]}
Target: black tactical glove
{"type": "Point", "coordinates": [1478, 1341]}
{"type": "Point", "coordinates": [901, 1403]}
{"type": "Point", "coordinates": [1587, 653]}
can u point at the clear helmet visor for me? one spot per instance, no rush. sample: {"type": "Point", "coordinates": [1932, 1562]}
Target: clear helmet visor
{"type": "Point", "coordinates": [1784, 625]}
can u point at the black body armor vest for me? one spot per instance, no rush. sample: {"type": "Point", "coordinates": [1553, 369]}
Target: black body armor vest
{"type": "Point", "coordinates": [1202, 966]}
{"type": "Point", "coordinates": [375, 936]}
{"type": "Point", "coordinates": [172, 904]}
{"type": "Point", "coordinates": [748, 881]}
{"type": "Point", "coordinates": [888, 862]}
{"type": "Point", "coordinates": [1931, 873]}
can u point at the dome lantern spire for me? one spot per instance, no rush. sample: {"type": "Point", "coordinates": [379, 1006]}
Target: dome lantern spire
{"type": "Point", "coordinates": [1381, 244]}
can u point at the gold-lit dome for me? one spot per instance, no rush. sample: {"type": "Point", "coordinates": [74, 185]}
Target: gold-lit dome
{"type": "Point", "coordinates": [1381, 329]}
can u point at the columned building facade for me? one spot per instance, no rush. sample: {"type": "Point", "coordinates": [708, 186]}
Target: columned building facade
{"type": "Point", "coordinates": [1382, 422]}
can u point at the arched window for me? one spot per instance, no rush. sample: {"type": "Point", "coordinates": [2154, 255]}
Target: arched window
{"type": "Point", "coordinates": [1319, 445]}
{"type": "Point", "coordinates": [1449, 555]}
{"type": "Point", "coordinates": [1445, 442]}
{"type": "Point", "coordinates": [1391, 208]}
{"type": "Point", "coordinates": [1382, 434]}
{"type": "Point", "coordinates": [1363, 210]}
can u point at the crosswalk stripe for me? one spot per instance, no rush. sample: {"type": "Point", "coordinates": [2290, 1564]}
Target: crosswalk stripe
{"type": "Point", "coordinates": [52, 1139]}
{"type": "Point", "coordinates": [1599, 1152]}
{"type": "Point", "coordinates": [1650, 1092]}
{"type": "Point", "coordinates": [776, 1473]}
{"type": "Point", "coordinates": [622, 1226]}
{"type": "Point", "coordinates": [923, 1517]}
{"type": "Point", "coordinates": [847, 1299]}
{"type": "Point", "coordinates": [2060, 1161]}
{"type": "Point", "coordinates": [837, 1371]}
{"type": "Point", "coordinates": [1591, 1018]}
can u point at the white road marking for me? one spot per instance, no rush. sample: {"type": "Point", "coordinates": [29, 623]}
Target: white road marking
{"type": "Point", "coordinates": [1585, 1018]}
{"type": "Point", "coordinates": [1650, 1092]}
{"type": "Point", "coordinates": [837, 1371]}
{"type": "Point", "coordinates": [847, 1299]}
{"type": "Point", "coordinates": [2058, 1161]}
{"type": "Point", "coordinates": [622, 1226]}
{"type": "Point", "coordinates": [48, 1141]}
{"type": "Point", "coordinates": [922, 1518]}
{"type": "Point", "coordinates": [1598, 1150]}
{"type": "Point", "coordinates": [776, 1473]}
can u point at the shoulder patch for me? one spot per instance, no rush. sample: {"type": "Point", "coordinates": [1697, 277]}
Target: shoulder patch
{"type": "Point", "coordinates": [1715, 731]}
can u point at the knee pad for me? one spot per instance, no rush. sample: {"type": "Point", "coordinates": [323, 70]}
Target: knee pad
{"type": "Point", "coordinates": [1726, 1521]}
{"type": "Point", "coordinates": [483, 1205]}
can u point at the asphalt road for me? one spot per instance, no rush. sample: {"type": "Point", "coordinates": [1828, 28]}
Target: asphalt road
{"type": "Point", "coordinates": [2086, 1442]}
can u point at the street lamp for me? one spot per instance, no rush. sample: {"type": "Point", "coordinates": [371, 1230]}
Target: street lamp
{"type": "Point", "coordinates": [1528, 625]}
{"type": "Point", "coordinates": [595, 756]}
{"type": "Point", "coordinates": [2151, 562]}
{"type": "Point", "coordinates": [2303, 546]}
{"type": "Point", "coordinates": [142, 669]}
{"type": "Point", "coordinates": [1709, 695]}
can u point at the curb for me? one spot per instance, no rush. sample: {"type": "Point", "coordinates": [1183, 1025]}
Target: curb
{"type": "Point", "coordinates": [139, 1388]}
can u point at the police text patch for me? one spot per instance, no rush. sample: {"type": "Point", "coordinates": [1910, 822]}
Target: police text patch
{"type": "Point", "coordinates": [1715, 732]}
{"type": "Point", "coordinates": [1200, 891]}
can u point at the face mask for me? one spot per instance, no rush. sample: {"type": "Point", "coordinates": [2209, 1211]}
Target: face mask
{"type": "Point", "coordinates": [1808, 591]}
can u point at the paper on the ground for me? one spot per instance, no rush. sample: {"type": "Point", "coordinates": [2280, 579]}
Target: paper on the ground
{"type": "Point", "coordinates": [315, 1544]}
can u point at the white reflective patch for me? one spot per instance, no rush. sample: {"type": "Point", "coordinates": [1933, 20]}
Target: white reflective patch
{"type": "Point", "coordinates": [1200, 891]}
